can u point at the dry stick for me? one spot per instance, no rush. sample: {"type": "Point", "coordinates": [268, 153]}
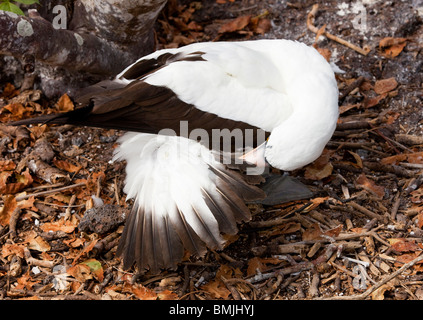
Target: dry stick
{"type": "Point", "coordinates": [346, 91]}
{"type": "Point", "coordinates": [42, 193]}
{"type": "Point", "coordinates": [69, 208]}
{"type": "Point", "coordinates": [36, 262]}
{"type": "Point", "coordinates": [13, 221]}
{"type": "Point", "coordinates": [246, 282]}
{"type": "Point", "coordinates": [378, 284]}
{"type": "Point", "coordinates": [310, 25]}
{"type": "Point", "coordinates": [396, 205]}
{"type": "Point", "coordinates": [314, 286]}
{"type": "Point", "coordinates": [231, 288]}
{"type": "Point", "coordinates": [367, 212]}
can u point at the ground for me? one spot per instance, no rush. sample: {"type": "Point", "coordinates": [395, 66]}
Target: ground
{"type": "Point", "coordinates": [358, 237]}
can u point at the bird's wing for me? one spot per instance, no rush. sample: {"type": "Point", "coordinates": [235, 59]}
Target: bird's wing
{"type": "Point", "coordinates": [234, 81]}
{"type": "Point", "coordinates": [224, 86]}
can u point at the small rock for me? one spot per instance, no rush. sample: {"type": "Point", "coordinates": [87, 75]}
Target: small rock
{"type": "Point", "coordinates": [103, 219]}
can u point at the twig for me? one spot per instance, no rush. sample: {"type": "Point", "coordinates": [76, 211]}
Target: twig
{"type": "Point", "coordinates": [35, 262]}
{"type": "Point", "coordinates": [367, 212]}
{"type": "Point", "coordinates": [43, 193]}
{"type": "Point", "coordinates": [310, 25]}
{"type": "Point", "coordinates": [378, 284]}
{"type": "Point", "coordinates": [13, 221]}
{"type": "Point", "coordinates": [116, 189]}
{"type": "Point", "coordinates": [396, 205]}
{"type": "Point", "coordinates": [409, 139]}
{"type": "Point", "coordinates": [69, 208]}
{"type": "Point", "coordinates": [231, 288]}
{"type": "Point", "coordinates": [414, 184]}
{"type": "Point", "coordinates": [347, 90]}
{"type": "Point", "coordinates": [314, 286]}
{"type": "Point", "coordinates": [246, 282]}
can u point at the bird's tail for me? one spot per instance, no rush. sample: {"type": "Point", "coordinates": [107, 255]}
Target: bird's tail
{"type": "Point", "coordinates": [183, 199]}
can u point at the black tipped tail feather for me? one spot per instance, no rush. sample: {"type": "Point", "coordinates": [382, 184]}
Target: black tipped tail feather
{"type": "Point", "coordinates": [71, 117]}
{"type": "Point", "coordinates": [156, 242]}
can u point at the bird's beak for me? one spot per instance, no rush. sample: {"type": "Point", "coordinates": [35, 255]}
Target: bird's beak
{"type": "Point", "coordinates": [256, 156]}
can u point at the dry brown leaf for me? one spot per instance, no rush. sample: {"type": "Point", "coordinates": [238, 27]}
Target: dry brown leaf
{"type": "Point", "coordinates": [96, 268]}
{"type": "Point", "coordinates": [263, 26]}
{"type": "Point", "coordinates": [9, 91]}
{"type": "Point", "coordinates": [26, 282]}
{"type": "Point", "coordinates": [403, 245]}
{"type": "Point", "coordinates": [35, 242]}
{"type": "Point", "coordinates": [316, 233]}
{"type": "Point", "coordinates": [66, 226]}
{"type": "Point", "coordinates": [28, 204]}
{"type": "Point", "coordinates": [235, 25]}
{"type": "Point", "coordinates": [217, 289]}
{"type": "Point", "coordinates": [140, 291]}
{"type": "Point", "coordinates": [416, 157]}
{"type": "Point", "coordinates": [312, 233]}
{"type": "Point", "coordinates": [194, 26]}
{"type": "Point", "coordinates": [391, 117]}
{"type": "Point", "coordinates": [94, 180]}
{"type": "Point", "coordinates": [65, 104]}
{"type": "Point", "coordinates": [315, 202]}
{"type": "Point", "coordinates": [385, 85]}
{"type": "Point", "coordinates": [38, 131]}
{"type": "Point", "coordinates": [4, 176]}
{"type": "Point", "coordinates": [13, 249]}
{"type": "Point", "coordinates": [420, 220]}
{"type": "Point", "coordinates": [419, 293]}
{"type": "Point", "coordinates": [255, 264]}
{"type": "Point", "coordinates": [370, 102]}
{"type": "Point", "coordinates": [320, 168]}
{"type": "Point", "coordinates": [358, 230]}
{"type": "Point", "coordinates": [16, 111]}
{"type": "Point", "coordinates": [167, 295]}
{"type": "Point", "coordinates": [86, 250]}
{"type": "Point", "coordinates": [286, 228]}
{"type": "Point", "coordinates": [326, 53]}
{"type": "Point", "coordinates": [21, 181]}
{"type": "Point", "coordinates": [260, 25]}
{"type": "Point", "coordinates": [408, 257]}
{"type": "Point", "coordinates": [334, 232]}
{"type": "Point", "coordinates": [80, 272]}
{"type": "Point", "coordinates": [67, 166]}
{"type": "Point", "coordinates": [25, 178]}
{"type": "Point", "coordinates": [379, 293]}
{"type": "Point", "coordinates": [358, 162]}
{"type": "Point", "coordinates": [370, 186]}
{"type": "Point", "coordinates": [7, 165]}
{"type": "Point", "coordinates": [74, 242]}
{"type": "Point", "coordinates": [392, 47]}
{"type": "Point", "coordinates": [9, 205]}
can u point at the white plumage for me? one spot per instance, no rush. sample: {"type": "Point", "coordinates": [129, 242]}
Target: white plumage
{"type": "Point", "coordinates": [184, 196]}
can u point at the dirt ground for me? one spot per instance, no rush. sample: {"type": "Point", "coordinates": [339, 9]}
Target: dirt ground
{"type": "Point", "coordinates": [359, 236]}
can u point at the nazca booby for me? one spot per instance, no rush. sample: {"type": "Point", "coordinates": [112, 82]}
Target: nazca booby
{"type": "Point", "coordinates": [184, 197]}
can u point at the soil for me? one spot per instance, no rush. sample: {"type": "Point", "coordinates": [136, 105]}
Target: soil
{"type": "Point", "coordinates": [358, 237]}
